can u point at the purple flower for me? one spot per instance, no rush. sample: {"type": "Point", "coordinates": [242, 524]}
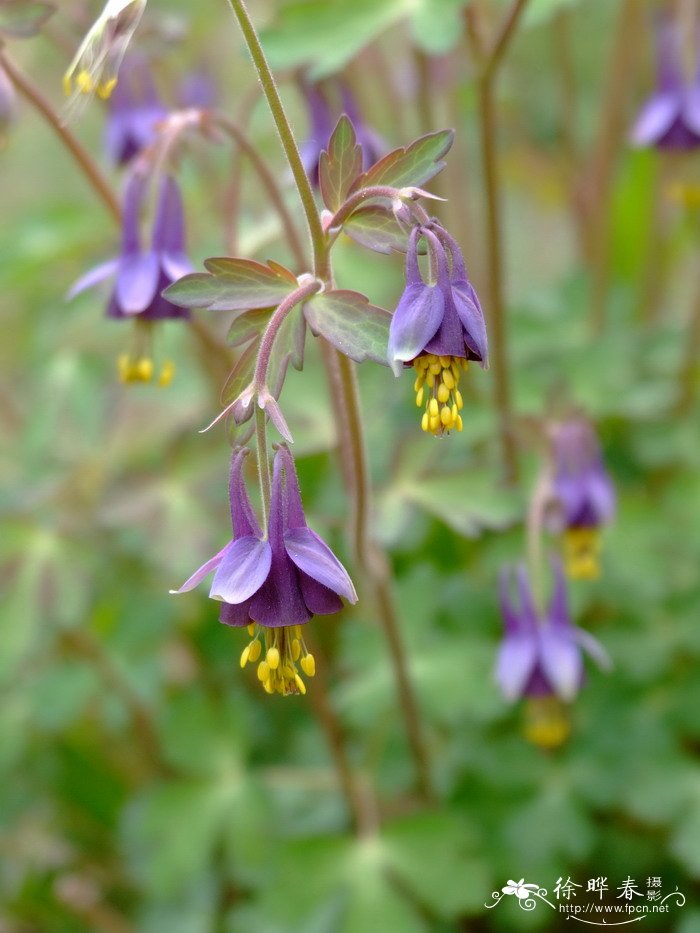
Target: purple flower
{"type": "Point", "coordinates": [274, 582]}
{"type": "Point", "coordinates": [142, 275]}
{"type": "Point", "coordinates": [134, 111]}
{"type": "Point", "coordinates": [438, 326]}
{"type": "Point", "coordinates": [541, 656]}
{"type": "Point", "coordinates": [582, 496]}
{"type": "Point", "coordinates": [670, 119]}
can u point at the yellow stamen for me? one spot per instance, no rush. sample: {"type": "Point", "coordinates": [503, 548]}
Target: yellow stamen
{"type": "Point", "coordinates": [300, 684]}
{"type": "Point", "coordinates": [547, 723]}
{"type": "Point", "coordinates": [283, 647]}
{"type": "Point", "coordinates": [296, 649]}
{"type": "Point", "coordinates": [251, 629]}
{"type": "Point", "coordinates": [263, 671]}
{"type": "Point", "coordinates": [308, 665]}
{"type": "Point", "coordinates": [437, 392]}
{"type": "Point", "coordinates": [582, 553]}
{"type": "Point", "coordinates": [273, 658]}
{"type": "Point", "coordinates": [84, 83]}
{"type": "Point", "coordinates": [245, 654]}
{"type": "Point", "coordinates": [167, 374]}
{"type": "Point", "coordinates": [105, 88]}
{"type": "Point", "coordinates": [255, 651]}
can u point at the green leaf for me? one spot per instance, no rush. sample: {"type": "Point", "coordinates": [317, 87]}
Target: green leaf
{"type": "Point", "coordinates": [22, 20]}
{"type": "Point", "coordinates": [376, 228]}
{"type": "Point", "coordinates": [233, 285]}
{"type": "Point", "coordinates": [340, 164]}
{"type": "Point", "coordinates": [348, 321]}
{"type": "Point", "coordinates": [248, 326]}
{"type": "Point", "coordinates": [412, 165]}
{"type": "Point", "coordinates": [327, 33]}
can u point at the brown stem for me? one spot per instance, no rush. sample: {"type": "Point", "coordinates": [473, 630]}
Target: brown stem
{"type": "Point", "coordinates": [360, 797]}
{"type": "Point", "coordinates": [494, 244]}
{"type": "Point", "coordinates": [90, 170]}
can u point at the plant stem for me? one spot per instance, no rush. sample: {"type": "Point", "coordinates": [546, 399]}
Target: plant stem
{"type": "Point", "coordinates": [262, 460]}
{"type": "Point", "coordinates": [89, 168]}
{"type": "Point", "coordinates": [270, 333]}
{"type": "Point", "coordinates": [269, 182]}
{"type": "Point", "coordinates": [267, 81]}
{"type": "Point", "coordinates": [494, 245]}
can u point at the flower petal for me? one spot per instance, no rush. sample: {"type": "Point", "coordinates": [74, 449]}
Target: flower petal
{"type": "Point", "coordinates": [561, 662]}
{"type": "Point", "coordinates": [203, 571]}
{"type": "Point", "coordinates": [516, 661]}
{"type": "Point", "coordinates": [319, 600]}
{"type": "Point", "coordinates": [416, 319]}
{"type": "Point", "coordinates": [312, 555]}
{"type": "Point", "coordinates": [655, 119]}
{"type": "Point", "coordinates": [137, 281]}
{"type": "Point", "coordinates": [593, 648]}
{"type": "Point", "coordinates": [236, 615]}
{"type": "Point", "coordinates": [472, 318]}
{"type": "Point", "coordinates": [242, 571]}
{"type": "Point", "coordinates": [93, 277]}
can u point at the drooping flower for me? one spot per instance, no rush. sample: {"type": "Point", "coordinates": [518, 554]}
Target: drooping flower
{"type": "Point", "coordinates": [134, 111]}
{"type": "Point", "coordinates": [541, 655]}
{"type": "Point", "coordinates": [582, 496]}
{"type": "Point", "coordinates": [96, 64]}
{"type": "Point", "coordinates": [142, 275]}
{"type": "Point", "coordinates": [438, 326]}
{"type": "Point", "coordinates": [670, 119]}
{"type": "Point", "coordinates": [274, 582]}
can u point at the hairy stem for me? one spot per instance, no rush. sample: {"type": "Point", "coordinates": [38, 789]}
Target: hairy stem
{"type": "Point", "coordinates": [262, 461]}
{"type": "Point", "coordinates": [270, 333]}
{"type": "Point", "coordinates": [289, 144]}
{"type": "Point", "coordinates": [89, 168]}
{"type": "Point", "coordinates": [494, 240]}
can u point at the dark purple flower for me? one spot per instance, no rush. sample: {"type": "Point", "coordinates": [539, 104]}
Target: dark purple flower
{"type": "Point", "coordinates": [670, 119]}
{"type": "Point", "coordinates": [582, 496]}
{"type": "Point", "coordinates": [142, 275]}
{"type": "Point", "coordinates": [541, 656]}
{"type": "Point", "coordinates": [134, 111]}
{"type": "Point", "coordinates": [438, 326]}
{"type": "Point", "coordinates": [277, 581]}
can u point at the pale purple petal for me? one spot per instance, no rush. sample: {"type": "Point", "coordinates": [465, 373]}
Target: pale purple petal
{"type": "Point", "coordinates": [415, 321]}
{"type": "Point", "coordinates": [242, 571]}
{"type": "Point", "coordinates": [137, 281]}
{"type": "Point", "coordinates": [593, 648]}
{"type": "Point", "coordinates": [655, 119]}
{"type": "Point", "coordinates": [203, 571]}
{"type": "Point", "coordinates": [561, 662]}
{"type": "Point", "coordinates": [286, 484]}
{"type": "Point", "coordinates": [691, 108]}
{"type": "Point", "coordinates": [313, 556]}
{"type": "Point", "coordinates": [169, 226]}
{"type": "Point", "coordinates": [243, 519]}
{"type": "Point", "coordinates": [516, 661]}
{"type": "Point", "coordinates": [175, 265]}
{"type": "Point", "coordinates": [93, 277]}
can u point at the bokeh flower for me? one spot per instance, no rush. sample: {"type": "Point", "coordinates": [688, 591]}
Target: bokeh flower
{"type": "Point", "coordinates": [134, 111]}
{"type": "Point", "coordinates": [438, 326]}
{"type": "Point", "coordinates": [274, 582]}
{"type": "Point", "coordinates": [582, 496]}
{"type": "Point", "coordinates": [142, 275]}
{"type": "Point", "coordinates": [540, 657]}
{"type": "Point", "coordinates": [670, 119]}
{"type": "Point", "coordinates": [96, 64]}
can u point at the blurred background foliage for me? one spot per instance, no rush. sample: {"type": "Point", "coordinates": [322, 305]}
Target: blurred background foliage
{"type": "Point", "coordinates": [146, 783]}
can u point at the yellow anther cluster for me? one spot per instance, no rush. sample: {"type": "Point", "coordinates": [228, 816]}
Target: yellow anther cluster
{"type": "Point", "coordinates": [277, 669]}
{"type": "Point", "coordinates": [582, 553]}
{"type": "Point", "coordinates": [85, 84]}
{"type": "Point", "coordinates": [141, 369]}
{"type": "Point", "coordinates": [437, 391]}
{"type": "Point", "coordinates": [547, 723]}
